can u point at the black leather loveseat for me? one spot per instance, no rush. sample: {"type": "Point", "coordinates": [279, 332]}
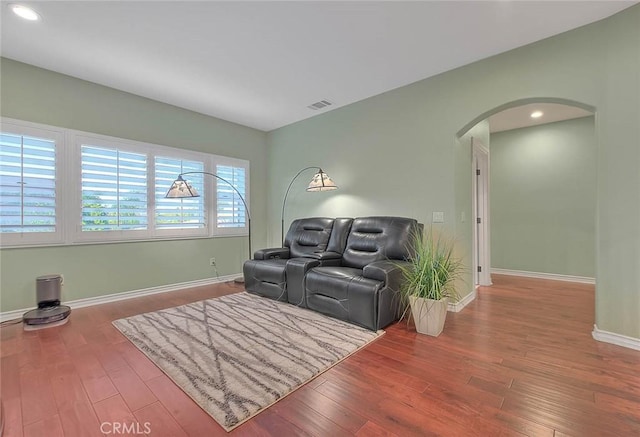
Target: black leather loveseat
{"type": "Point", "coordinates": [309, 243]}
{"type": "Point", "coordinates": [345, 268]}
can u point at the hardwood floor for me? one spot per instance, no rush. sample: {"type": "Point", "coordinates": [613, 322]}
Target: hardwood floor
{"type": "Point", "coordinates": [519, 360]}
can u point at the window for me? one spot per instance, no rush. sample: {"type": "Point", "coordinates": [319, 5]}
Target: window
{"type": "Point", "coordinates": [187, 213]}
{"type": "Point", "coordinates": [29, 203]}
{"type": "Point", "coordinates": [231, 215]}
{"type": "Point", "coordinates": [60, 186]}
{"type": "Point", "coordinates": [114, 189]}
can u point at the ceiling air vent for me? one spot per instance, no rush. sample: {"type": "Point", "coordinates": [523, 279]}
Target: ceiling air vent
{"type": "Point", "coordinates": [319, 105]}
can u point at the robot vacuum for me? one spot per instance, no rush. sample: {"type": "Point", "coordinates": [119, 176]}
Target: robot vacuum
{"type": "Point", "coordinates": [49, 312]}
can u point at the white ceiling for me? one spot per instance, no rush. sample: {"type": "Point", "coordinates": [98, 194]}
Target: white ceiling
{"type": "Point", "coordinates": [262, 63]}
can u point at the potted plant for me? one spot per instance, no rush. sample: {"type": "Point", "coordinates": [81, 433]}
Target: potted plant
{"type": "Point", "coordinates": [429, 281]}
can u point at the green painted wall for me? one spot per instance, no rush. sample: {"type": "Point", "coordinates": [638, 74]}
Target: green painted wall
{"type": "Point", "coordinates": [543, 198]}
{"type": "Point", "coordinates": [37, 95]}
{"type": "Point", "coordinates": [397, 153]}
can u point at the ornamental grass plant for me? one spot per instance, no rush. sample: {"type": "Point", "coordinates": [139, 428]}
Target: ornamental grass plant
{"type": "Point", "coordinates": [430, 275]}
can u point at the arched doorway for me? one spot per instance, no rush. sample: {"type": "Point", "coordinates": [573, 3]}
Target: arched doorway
{"type": "Point", "coordinates": [475, 136]}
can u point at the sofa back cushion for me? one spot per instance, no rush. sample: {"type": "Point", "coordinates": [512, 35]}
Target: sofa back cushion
{"type": "Point", "coordinates": [378, 238]}
{"type": "Point", "coordinates": [308, 235]}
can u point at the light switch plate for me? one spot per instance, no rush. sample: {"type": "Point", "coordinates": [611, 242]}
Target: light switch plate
{"type": "Point", "coordinates": [438, 217]}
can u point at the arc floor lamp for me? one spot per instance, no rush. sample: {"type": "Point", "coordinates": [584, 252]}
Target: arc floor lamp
{"type": "Point", "coordinates": [181, 188]}
{"type": "Point", "coordinates": [319, 182]}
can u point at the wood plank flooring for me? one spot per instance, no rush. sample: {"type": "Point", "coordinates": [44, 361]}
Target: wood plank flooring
{"type": "Point", "coordinates": [519, 360]}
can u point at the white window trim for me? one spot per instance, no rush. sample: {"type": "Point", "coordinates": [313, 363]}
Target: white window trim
{"type": "Point", "coordinates": [76, 141]}
{"type": "Point", "coordinates": [69, 189]}
{"type": "Point", "coordinates": [41, 238]}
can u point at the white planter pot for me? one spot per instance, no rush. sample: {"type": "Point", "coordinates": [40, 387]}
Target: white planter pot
{"type": "Point", "coordinates": [429, 315]}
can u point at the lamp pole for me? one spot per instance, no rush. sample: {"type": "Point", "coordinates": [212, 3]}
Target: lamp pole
{"type": "Point", "coordinates": [237, 192]}
{"type": "Point", "coordinates": [284, 202]}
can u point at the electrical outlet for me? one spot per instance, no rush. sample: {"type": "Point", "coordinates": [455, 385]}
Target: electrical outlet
{"type": "Point", "coordinates": [212, 262]}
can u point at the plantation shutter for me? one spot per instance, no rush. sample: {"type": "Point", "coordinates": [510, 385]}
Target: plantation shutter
{"type": "Point", "coordinates": [184, 213]}
{"type": "Point", "coordinates": [27, 184]}
{"type": "Point", "coordinates": [114, 189]}
{"type": "Point", "coordinates": [231, 212]}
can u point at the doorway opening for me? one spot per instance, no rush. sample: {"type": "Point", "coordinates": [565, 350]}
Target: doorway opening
{"type": "Point", "coordinates": [533, 228]}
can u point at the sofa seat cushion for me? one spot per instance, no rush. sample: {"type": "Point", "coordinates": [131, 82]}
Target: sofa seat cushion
{"type": "Point", "coordinates": [272, 270]}
{"type": "Point", "coordinates": [343, 292]}
{"type": "Point", "coordinates": [331, 281]}
{"type": "Point", "coordinates": [338, 272]}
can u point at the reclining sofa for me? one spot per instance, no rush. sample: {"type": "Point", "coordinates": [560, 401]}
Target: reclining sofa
{"type": "Point", "coordinates": [345, 268]}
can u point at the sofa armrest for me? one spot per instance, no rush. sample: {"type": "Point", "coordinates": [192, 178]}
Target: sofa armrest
{"type": "Point", "coordinates": [389, 272]}
{"type": "Point", "coordinates": [273, 253]}
{"type": "Point", "coordinates": [297, 268]}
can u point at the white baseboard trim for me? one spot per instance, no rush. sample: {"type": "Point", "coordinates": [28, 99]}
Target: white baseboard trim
{"type": "Point", "coordinates": [552, 276]}
{"type": "Point", "coordinates": [617, 339]}
{"type": "Point", "coordinates": [456, 307]}
{"type": "Point", "coordinates": [89, 301]}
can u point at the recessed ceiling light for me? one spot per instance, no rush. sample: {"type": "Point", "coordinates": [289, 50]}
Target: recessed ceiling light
{"type": "Point", "coordinates": [25, 12]}
{"type": "Point", "coordinates": [536, 114]}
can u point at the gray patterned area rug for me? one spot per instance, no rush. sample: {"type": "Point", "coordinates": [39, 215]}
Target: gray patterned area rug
{"type": "Point", "coordinates": [238, 354]}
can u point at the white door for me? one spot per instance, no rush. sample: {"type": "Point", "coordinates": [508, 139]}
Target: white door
{"type": "Point", "coordinates": [480, 196]}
